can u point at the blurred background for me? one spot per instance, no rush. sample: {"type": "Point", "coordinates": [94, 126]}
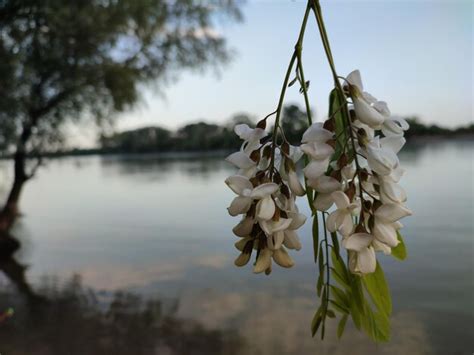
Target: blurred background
{"type": "Point", "coordinates": [115, 118]}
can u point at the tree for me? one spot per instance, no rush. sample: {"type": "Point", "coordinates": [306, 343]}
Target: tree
{"type": "Point", "coordinates": [294, 122]}
{"type": "Point", "coordinates": [66, 61]}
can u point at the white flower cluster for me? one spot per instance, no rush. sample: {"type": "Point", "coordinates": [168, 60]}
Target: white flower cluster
{"type": "Point", "coordinates": [360, 177]}
{"type": "Point", "coordinates": [369, 202]}
{"type": "Point", "coordinates": [266, 189]}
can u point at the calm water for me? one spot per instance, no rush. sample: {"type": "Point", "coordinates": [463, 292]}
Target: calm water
{"type": "Point", "coordinates": [159, 228]}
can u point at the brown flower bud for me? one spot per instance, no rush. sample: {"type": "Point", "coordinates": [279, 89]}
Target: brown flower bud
{"type": "Point", "coordinates": [285, 147]}
{"type": "Point", "coordinates": [285, 191]}
{"type": "Point", "coordinates": [342, 161]}
{"type": "Point", "coordinates": [267, 152]}
{"type": "Point", "coordinates": [351, 191]}
{"type": "Point", "coordinates": [255, 156]}
{"type": "Point", "coordinates": [329, 125]}
{"type": "Point", "coordinates": [262, 123]}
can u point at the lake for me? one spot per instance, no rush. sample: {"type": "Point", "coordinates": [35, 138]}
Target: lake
{"type": "Point", "coordinates": [158, 228]}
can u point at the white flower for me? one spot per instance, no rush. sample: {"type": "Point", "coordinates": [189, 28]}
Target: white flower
{"type": "Point", "coordinates": [281, 257]}
{"type": "Point", "coordinates": [250, 136]}
{"type": "Point", "coordinates": [316, 133]}
{"type": "Point", "coordinates": [317, 150]}
{"type": "Point", "coordinates": [291, 240]}
{"type": "Point", "coordinates": [244, 228]}
{"type": "Point", "coordinates": [365, 261]}
{"type": "Point", "coordinates": [395, 126]}
{"type": "Point", "coordinates": [386, 222]}
{"type": "Point", "coordinates": [315, 169]}
{"type": "Point", "coordinates": [264, 261]}
{"type": "Point", "coordinates": [242, 186]}
{"type": "Point", "coordinates": [367, 108]}
{"type": "Point", "coordinates": [323, 202]}
{"type": "Point", "coordinates": [382, 154]}
{"type": "Point", "coordinates": [390, 191]}
{"type": "Point", "coordinates": [240, 160]}
{"type": "Point", "coordinates": [341, 219]}
{"type": "Point", "coordinates": [274, 230]}
{"type": "Point", "coordinates": [325, 184]}
{"type": "Point", "coordinates": [294, 183]}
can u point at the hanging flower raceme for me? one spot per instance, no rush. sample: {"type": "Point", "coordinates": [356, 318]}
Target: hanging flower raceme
{"type": "Point", "coordinates": [352, 173]}
{"type": "Point", "coordinates": [266, 186]}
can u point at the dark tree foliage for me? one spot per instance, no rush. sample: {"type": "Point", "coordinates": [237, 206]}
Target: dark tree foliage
{"type": "Point", "coordinates": [63, 61]}
{"type": "Point", "coordinates": [294, 122]}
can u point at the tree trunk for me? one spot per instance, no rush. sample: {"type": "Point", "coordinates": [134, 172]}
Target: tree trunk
{"type": "Point", "coordinates": [10, 210]}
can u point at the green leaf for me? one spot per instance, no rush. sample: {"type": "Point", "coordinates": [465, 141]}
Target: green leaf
{"type": "Point", "coordinates": [376, 325]}
{"type": "Point", "coordinates": [339, 266]}
{"type": "Point", "coordinates": [339, 278]}
{"type": "Point", "coordinates": [339, 307]}
{"type": "Point", "coordinates": [315, 231]}
{"type": "Point", "coordinates": [319, 285]}
{"type": "Point", "coordinates": [377, 288]}
{"type": "Point", "coordinates": [335, 102]}
{"type": "Point", "coordinates": [356, 315]}
{"type": "Point", "coordinates": [321, 260]}
{"type": "Point", "coordinates": [341, 326]}
{"type": "Point", "coordinates": [335, 242]}
{"type": "Point", "coordinates": [316, 321]}
{"type": "Point", "coordinates": [400, 251]}
{"type": "Point", "coordinates": [341, 297]}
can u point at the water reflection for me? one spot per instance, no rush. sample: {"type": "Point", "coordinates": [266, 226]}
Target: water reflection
{"type": "Point", "coordinates": [67, 318]}
{"type": "Point", "coordinates": [157, 228]}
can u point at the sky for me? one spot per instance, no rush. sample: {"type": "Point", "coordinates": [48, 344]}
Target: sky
{"type": "Point", "coordinates": [417, 55]}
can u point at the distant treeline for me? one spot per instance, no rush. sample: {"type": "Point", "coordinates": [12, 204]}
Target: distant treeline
{"type": "Point", "coordinates": [202, 136]}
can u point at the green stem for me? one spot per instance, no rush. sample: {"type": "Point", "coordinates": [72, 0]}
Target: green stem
{"type": "Point", "coordinates": [294, 56]}
{"type": "Point", "coordinates": [324, 37]}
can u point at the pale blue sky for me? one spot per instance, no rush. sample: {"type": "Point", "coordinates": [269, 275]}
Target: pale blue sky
{"type": "Point", "coordinates": [416, 55]}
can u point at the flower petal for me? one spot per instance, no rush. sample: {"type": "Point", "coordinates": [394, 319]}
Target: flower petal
{"type": "Point", "coordinates": [366, 260]}
{"type": "Point", "coordinates": [316, 133]}
{"type": "Point", "coordinates": [242, 259]}
{"type": "Point", "coordinates": [386, 233]}
{"type": "Point", "coordinates": [366, 113]}
{"type": "Point", "coordinates": [275, 240]}
{"type": "Point", "coordinates": [317, 150]}
{"type": "Point", "coordinates": [243, 131]}
{"type": "Point", "coordinates": [240, 160]}
{"type": "Point", "coordinates": [282, 258]}
{"type": "Point", "coordinates": [265, 208]}
{"type": "Point", "coordinates": [297, 220]}
{"type": "Point", "coordinates": [294, 184]}
{"type": "Point", "coordinates": [240, 245]}
{"type": "Point", "coordinates": [323, 202]}
{"type": "Point", "coordinates": [394, 143]}
{"type": "Point", "coordinates": [291, 241]}
{"type": "Point", "coordinates": [264, 190]}
{"type": "Point", "coordinates": [392, 212]}
{"type": "Point", "coordinates": [264, 261]}
{"type": "Point", "coordinates": [341, 199]}
{"type": "Point", "coordinates": [326, 184]}
{"type": "Point", "coordinates": [332, 220]}
{"type": "Point", "coordinates": [379, 246]}
{"type": "Point", "coordinates": [345, 224]}
{"type": "Point", "coordinates": [244, 228]}
{"type": "Point", "coordinates": [391, 192]}
{"type": "Point", "coordinates": [354, 79]}
{"type": "Point", "coordinates": [315, 169]}
{"type": "Point", "coordinates": [357, 241]}
{"type": "Point", "coordinates": [239, 184]}
{"type": "Point", "coordinates": [239, 205]}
